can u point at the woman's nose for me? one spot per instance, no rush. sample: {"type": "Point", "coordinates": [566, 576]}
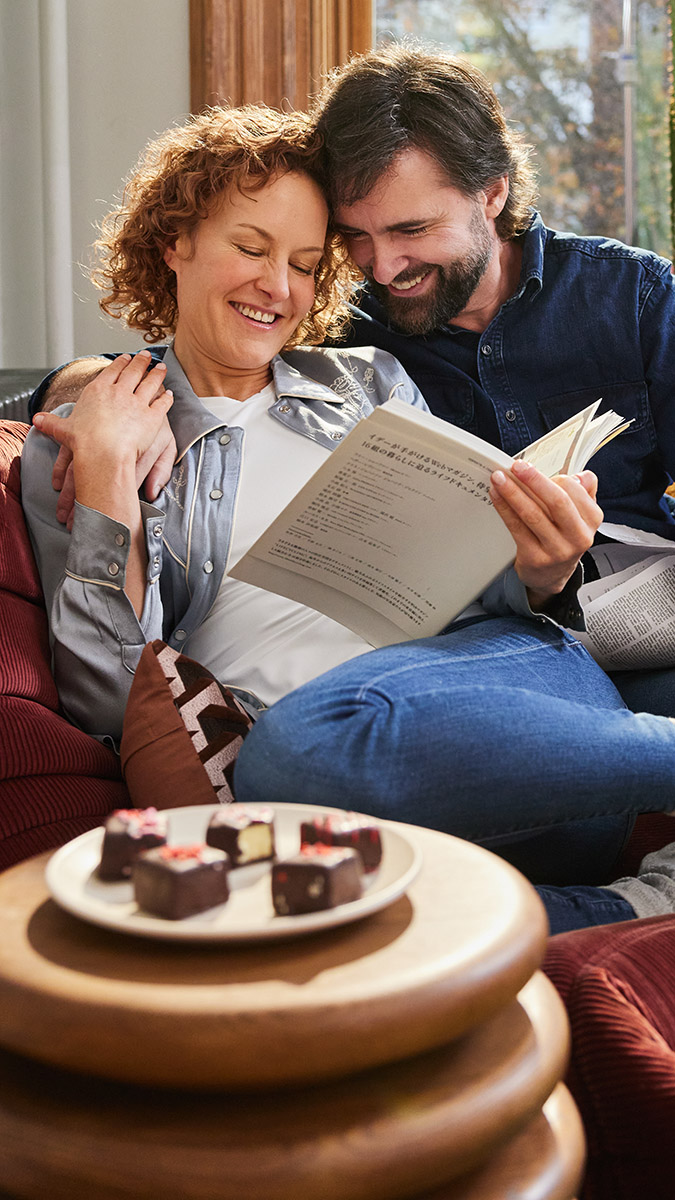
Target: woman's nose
{"type": "Point", "coordinates": [275, 279]}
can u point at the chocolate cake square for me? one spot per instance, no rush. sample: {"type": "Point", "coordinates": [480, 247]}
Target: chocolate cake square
{"type": "Point", "coordinates": [348, 829]}
{"type": "Point", "coordinates": [175, 882]}
{"type": "Point", "coordinates": [318, 877]}
{"type": "Point", "coordinates": [246, 834]}
{"type": "Point", "coordinates": [128, 831]}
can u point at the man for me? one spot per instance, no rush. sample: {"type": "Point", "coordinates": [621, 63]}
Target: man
{"type": "Point", "coordinates": [506, 326]}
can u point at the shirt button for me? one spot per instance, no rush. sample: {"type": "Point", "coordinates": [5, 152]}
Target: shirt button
{"type": "Point", "coordinates": [157, 531]}
{"type": "Point", "coordinates": [284, 408]}
{"type": "Point", "coordinates": [119, 539]}
{"type": "Point", "coordinates": [215, 494]}
{"type": "Point", "coordinates": [486, 349]}
{"type": "Point", "coordinates": [113, 569]}
{"type": "Point", "coordinates": [155, 562]}
{"type": "Point", "coordinates": [224, 440]}
{"type": "Point", "coordinates": [510, 415]}
{"type": "Point", "coordinates": [180, 635]}
{"type": "Point", "coordinates": [336, 436]}
{"type": "Point", "coordinates": [208, 567]}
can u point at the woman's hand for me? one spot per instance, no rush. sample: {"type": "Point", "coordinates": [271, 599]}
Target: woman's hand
{"type": "Point", "coordinates": [112, 426]}
{"type": "Point", "coordinates": [118, 413]}
{"type": "Point", "coordinates": [552, 521]}
{"type": "Point", "coordinates": [120, 417]}
{"type": "Point", "coordinates": [153, 471]}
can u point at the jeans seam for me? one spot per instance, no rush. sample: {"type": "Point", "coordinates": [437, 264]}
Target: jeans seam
{"type": "Point", "coordinates": [549, 824]}
{"type": "Point", "coordinates": [464, 658]}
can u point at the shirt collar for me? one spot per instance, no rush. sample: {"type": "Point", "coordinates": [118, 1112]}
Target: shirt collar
{"type": "Point", "coordinates": [532, 266]}
{"type": "Point", "coordinates": [190, 419]}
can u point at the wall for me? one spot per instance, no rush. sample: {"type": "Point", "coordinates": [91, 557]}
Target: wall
{"type": "Point", "coordinates": [124, 65]}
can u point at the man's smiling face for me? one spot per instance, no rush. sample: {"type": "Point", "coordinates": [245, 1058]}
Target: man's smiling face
{"type": "Point", "coordinates": [422, 244]}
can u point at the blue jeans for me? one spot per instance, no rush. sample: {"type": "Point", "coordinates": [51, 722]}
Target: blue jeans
{"type": "Point", "coordinates": [577, 907]}
{"type": "Point", "coordinates": [503, 731]}
{"type": "Point", "coordinates": [647, 691]}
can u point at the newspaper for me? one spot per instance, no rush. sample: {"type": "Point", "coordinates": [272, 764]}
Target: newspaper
{"type": "Point", "coordinates": [629, 612]}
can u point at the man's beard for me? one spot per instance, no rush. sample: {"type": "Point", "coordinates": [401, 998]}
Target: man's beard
{"type": "Point", "coordinates": [453, 288]}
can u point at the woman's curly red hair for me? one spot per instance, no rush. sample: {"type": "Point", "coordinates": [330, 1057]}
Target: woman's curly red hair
{"type": "Point", "coordinates": [179, 179]}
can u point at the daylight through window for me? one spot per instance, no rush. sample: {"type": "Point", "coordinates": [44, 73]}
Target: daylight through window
{"type": "Point", "coordinates": [586, 82]}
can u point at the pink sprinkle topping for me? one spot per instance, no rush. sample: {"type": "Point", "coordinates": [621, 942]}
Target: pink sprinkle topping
{"type": "Point", "coordinates": [311, 849]}
{"type": "Point", "coordinates": [143, 816]}
{"type": "Point", "coordinates": [180, 853]}
{"type": "Point", "coordinates": [345, 823]}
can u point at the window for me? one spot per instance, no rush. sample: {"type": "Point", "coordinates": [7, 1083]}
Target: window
{"type": "Point", "coordinates": [586, 82]}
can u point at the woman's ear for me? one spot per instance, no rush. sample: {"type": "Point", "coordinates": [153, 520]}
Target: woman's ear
{"type": "Point", "coordinates": [169, 255]}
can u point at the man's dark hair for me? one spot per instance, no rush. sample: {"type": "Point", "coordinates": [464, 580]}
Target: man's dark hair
{"type": "Point", "coordinates": [409, 96]}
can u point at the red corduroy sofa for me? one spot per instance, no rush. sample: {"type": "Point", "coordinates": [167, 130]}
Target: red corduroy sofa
{"type": "Point", "coordinates": [617, 981]}
{"type": "Point", "coordinates": [55, 781]}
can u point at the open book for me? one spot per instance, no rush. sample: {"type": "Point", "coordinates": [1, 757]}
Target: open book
{"type": "Point", "coordinates": [395, 534]}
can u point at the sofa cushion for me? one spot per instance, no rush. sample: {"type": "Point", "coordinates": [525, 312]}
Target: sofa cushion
{"type": "Point", "coordinates": [182, 732]}
{"type": "Point", "coordinates": [55, 781]}
{"type": "Point", "coordinates": [618, 983]}
{"type": "Point", "coordinates": [18, 572]}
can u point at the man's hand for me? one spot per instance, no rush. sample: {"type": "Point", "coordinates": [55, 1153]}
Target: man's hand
{"type": "Point", "coordinates": [552, 521]}
{"type": "Point", "coordinates": [153, 467]}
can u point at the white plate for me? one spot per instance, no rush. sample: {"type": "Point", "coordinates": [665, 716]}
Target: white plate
{"type": "Point", "coordinates": [248, 915]}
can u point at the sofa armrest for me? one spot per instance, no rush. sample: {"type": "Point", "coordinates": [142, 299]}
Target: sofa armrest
{"type": "Point", "coordinates": [16, 387]}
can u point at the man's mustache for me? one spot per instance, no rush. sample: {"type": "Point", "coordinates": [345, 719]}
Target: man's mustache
{"type": "Point", "coordinates": [405, 276]}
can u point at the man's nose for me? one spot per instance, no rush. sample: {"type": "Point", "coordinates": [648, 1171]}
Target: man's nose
{"type": "Point", "coordinates": [386, 264]}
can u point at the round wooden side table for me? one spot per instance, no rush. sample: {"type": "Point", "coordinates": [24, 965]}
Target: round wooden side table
{"type": "Point", "coordinates": [460, 945]}
{"type": "Point", "coordinates": [383, 1060]}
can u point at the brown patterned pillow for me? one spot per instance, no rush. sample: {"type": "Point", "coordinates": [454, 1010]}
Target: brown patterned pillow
{"type": "Point", "coordinates": [182, 732]}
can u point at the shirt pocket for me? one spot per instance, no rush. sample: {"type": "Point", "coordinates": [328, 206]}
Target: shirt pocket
{"type": "Point", "coordinates": [620, 466]}
{"type": "Point", "coordinates": [450, 399]}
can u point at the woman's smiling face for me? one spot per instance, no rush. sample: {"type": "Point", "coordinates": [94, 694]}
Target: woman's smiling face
{"type": "Point", "coordinates": [245, 280]}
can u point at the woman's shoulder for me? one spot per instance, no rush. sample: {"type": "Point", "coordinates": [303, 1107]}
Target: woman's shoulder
{"type": "Point", "coordinates": [40, 452]}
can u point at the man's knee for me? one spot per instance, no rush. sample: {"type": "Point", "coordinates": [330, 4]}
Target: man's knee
{"type": "Point", "coordinates": [313, 754]}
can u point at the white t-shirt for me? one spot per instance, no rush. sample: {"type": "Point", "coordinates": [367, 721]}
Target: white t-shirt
{"type": "Point", "coordinates": [251, 637]}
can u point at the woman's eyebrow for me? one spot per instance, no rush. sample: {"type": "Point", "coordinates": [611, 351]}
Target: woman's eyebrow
{"type": "Point", "coordinates": [267, 236]}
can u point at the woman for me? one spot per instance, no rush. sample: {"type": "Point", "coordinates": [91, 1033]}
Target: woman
{"type": "Point", "coordinates": [222, 240]}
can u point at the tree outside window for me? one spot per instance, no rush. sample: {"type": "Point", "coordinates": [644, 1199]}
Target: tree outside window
{"type": "Point", "coordinates": [560, 70]}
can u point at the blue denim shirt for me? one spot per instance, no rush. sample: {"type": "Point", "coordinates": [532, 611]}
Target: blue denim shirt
{"type": "Point", "coordinates": [591, 317]}
{"type": "Point", "coordinates": [97, 639]}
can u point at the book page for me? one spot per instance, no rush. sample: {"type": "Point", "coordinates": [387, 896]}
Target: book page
{"type": "Point", "coordinates": [394, 535]}
{"type": "Point", "coordinates": [567, 449]}
{"type": "Point", "coordinates": [553, 452]}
